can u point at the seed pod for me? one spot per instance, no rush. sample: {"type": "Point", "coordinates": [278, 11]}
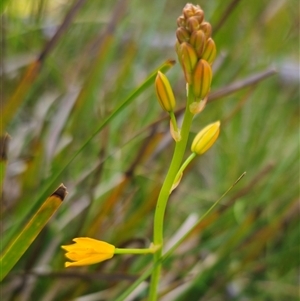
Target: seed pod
{"type": "Point", "coordinates": [197, 40]}
{"type": "Point", "coordinates": [201, 79]}
{"type": "Point", "coordinates": [164, 92]}
{"type": "Point", "coordinates": [188, 60]}
{"type": "Point", "coordinates": [182, 35]}
{"type": "Point", "coordinates": [210, 51]}
{"type": "Point", "coordinates": [206, 138]}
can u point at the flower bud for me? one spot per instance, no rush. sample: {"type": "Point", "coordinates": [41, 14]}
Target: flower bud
{"type": "Point", "coordinates": [182, 35]}
{"type": "Point", "coordinates": [189, 10]}
{"type": "Point", "coordinates": [164, 92]}
{"type": "Point", "coordinates": [206, 138]}
{"type": "Point", "coordinates": [210, 51]}
{"type": "Point", "coordinates": [199, 13]}
{"type": "Point", "coordinates": [197, 40]}
{"type": "Point", "coordinates": [181, 21]}
{"type": "Point", "coordinates": [192, 24]}
{"type": "Point", "coordinates": [206, 27]}
{"type": "Point", "coordinates": [188, 60]}
{"type": "Point", "coordinates": [201, 79]}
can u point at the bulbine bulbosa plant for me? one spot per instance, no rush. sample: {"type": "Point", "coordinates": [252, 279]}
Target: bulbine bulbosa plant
{"type": "Point", "coordinates": [196, 52]}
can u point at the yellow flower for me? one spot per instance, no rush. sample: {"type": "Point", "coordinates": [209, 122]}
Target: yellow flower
{"type": "Point", "coordinates": [88, 251]}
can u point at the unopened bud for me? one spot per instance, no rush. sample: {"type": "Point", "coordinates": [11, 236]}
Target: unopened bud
{"type": "Point", "coordinates": [210, 51]}
{"type": "Point", "coordinates": [201, 79]}
{"type": "Point", "coordinates": [181, 21]}
{"type": "Point", "coordinates": [199, 13]}
{"type": "Point", "coordinates": [182, 35]}
{"type": "Point", "coordinates": [206, 138]}
{"type": "Point", "coordinates": [193, 24]}
{"type": "Point", "coordinates": [189, 10]}
{"type": "Point", "coordinates": [188, 60]}
{"type": "Point", "coordinates": [206, 27]}
{"type": "Point", "coordinates": [198, 40]}
{"type": "Point", "coordinates": [164, 92]}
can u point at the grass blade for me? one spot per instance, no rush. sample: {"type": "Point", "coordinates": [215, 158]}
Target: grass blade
{"type": "Point", "coordinates": [22, 242]}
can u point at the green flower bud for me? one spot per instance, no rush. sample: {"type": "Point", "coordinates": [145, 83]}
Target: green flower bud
{"type": "Point", "coordinates": [164, 92]}
{"type": "Point", "coordinates": [201, 79]}
{"type": "Point", "coordinates": [188, 60]}
{"type": "Point", "coordinates": [206, 138]}
{"type": "Point", "coordinates": [210, 51]}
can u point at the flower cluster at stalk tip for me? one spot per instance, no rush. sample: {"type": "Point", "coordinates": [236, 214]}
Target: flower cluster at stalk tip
{"type": "Point", "coordinates": [196, 49]}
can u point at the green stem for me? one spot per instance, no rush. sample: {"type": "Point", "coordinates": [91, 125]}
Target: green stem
{"type": "Point", "coordinates": [165, 192]}
{"type": "Point", "coordinates": [135, 251]}
{"type": "Point", "coordinates": [185, 164]}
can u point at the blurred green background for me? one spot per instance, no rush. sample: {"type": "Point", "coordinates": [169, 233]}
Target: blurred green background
{"type": "Point", "coordinates": [248, 248]}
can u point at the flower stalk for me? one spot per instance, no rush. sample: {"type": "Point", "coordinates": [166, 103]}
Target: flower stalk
{"type": "Point", "coordinates": [193, 34]}
{"type": "Point", "coordinates": [196, 52]}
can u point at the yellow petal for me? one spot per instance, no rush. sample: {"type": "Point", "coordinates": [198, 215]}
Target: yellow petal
{"type": "Point", "coordinates": [87, 251]}
{"type": "Point", "coordinates": [90, 260]}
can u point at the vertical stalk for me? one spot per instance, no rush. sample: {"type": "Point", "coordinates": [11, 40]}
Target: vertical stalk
{"type": "Point", "coordinates": [165, 192]}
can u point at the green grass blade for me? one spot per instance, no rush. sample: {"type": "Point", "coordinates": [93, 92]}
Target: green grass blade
{"type": "Point", "coordinates": [22, 242]}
